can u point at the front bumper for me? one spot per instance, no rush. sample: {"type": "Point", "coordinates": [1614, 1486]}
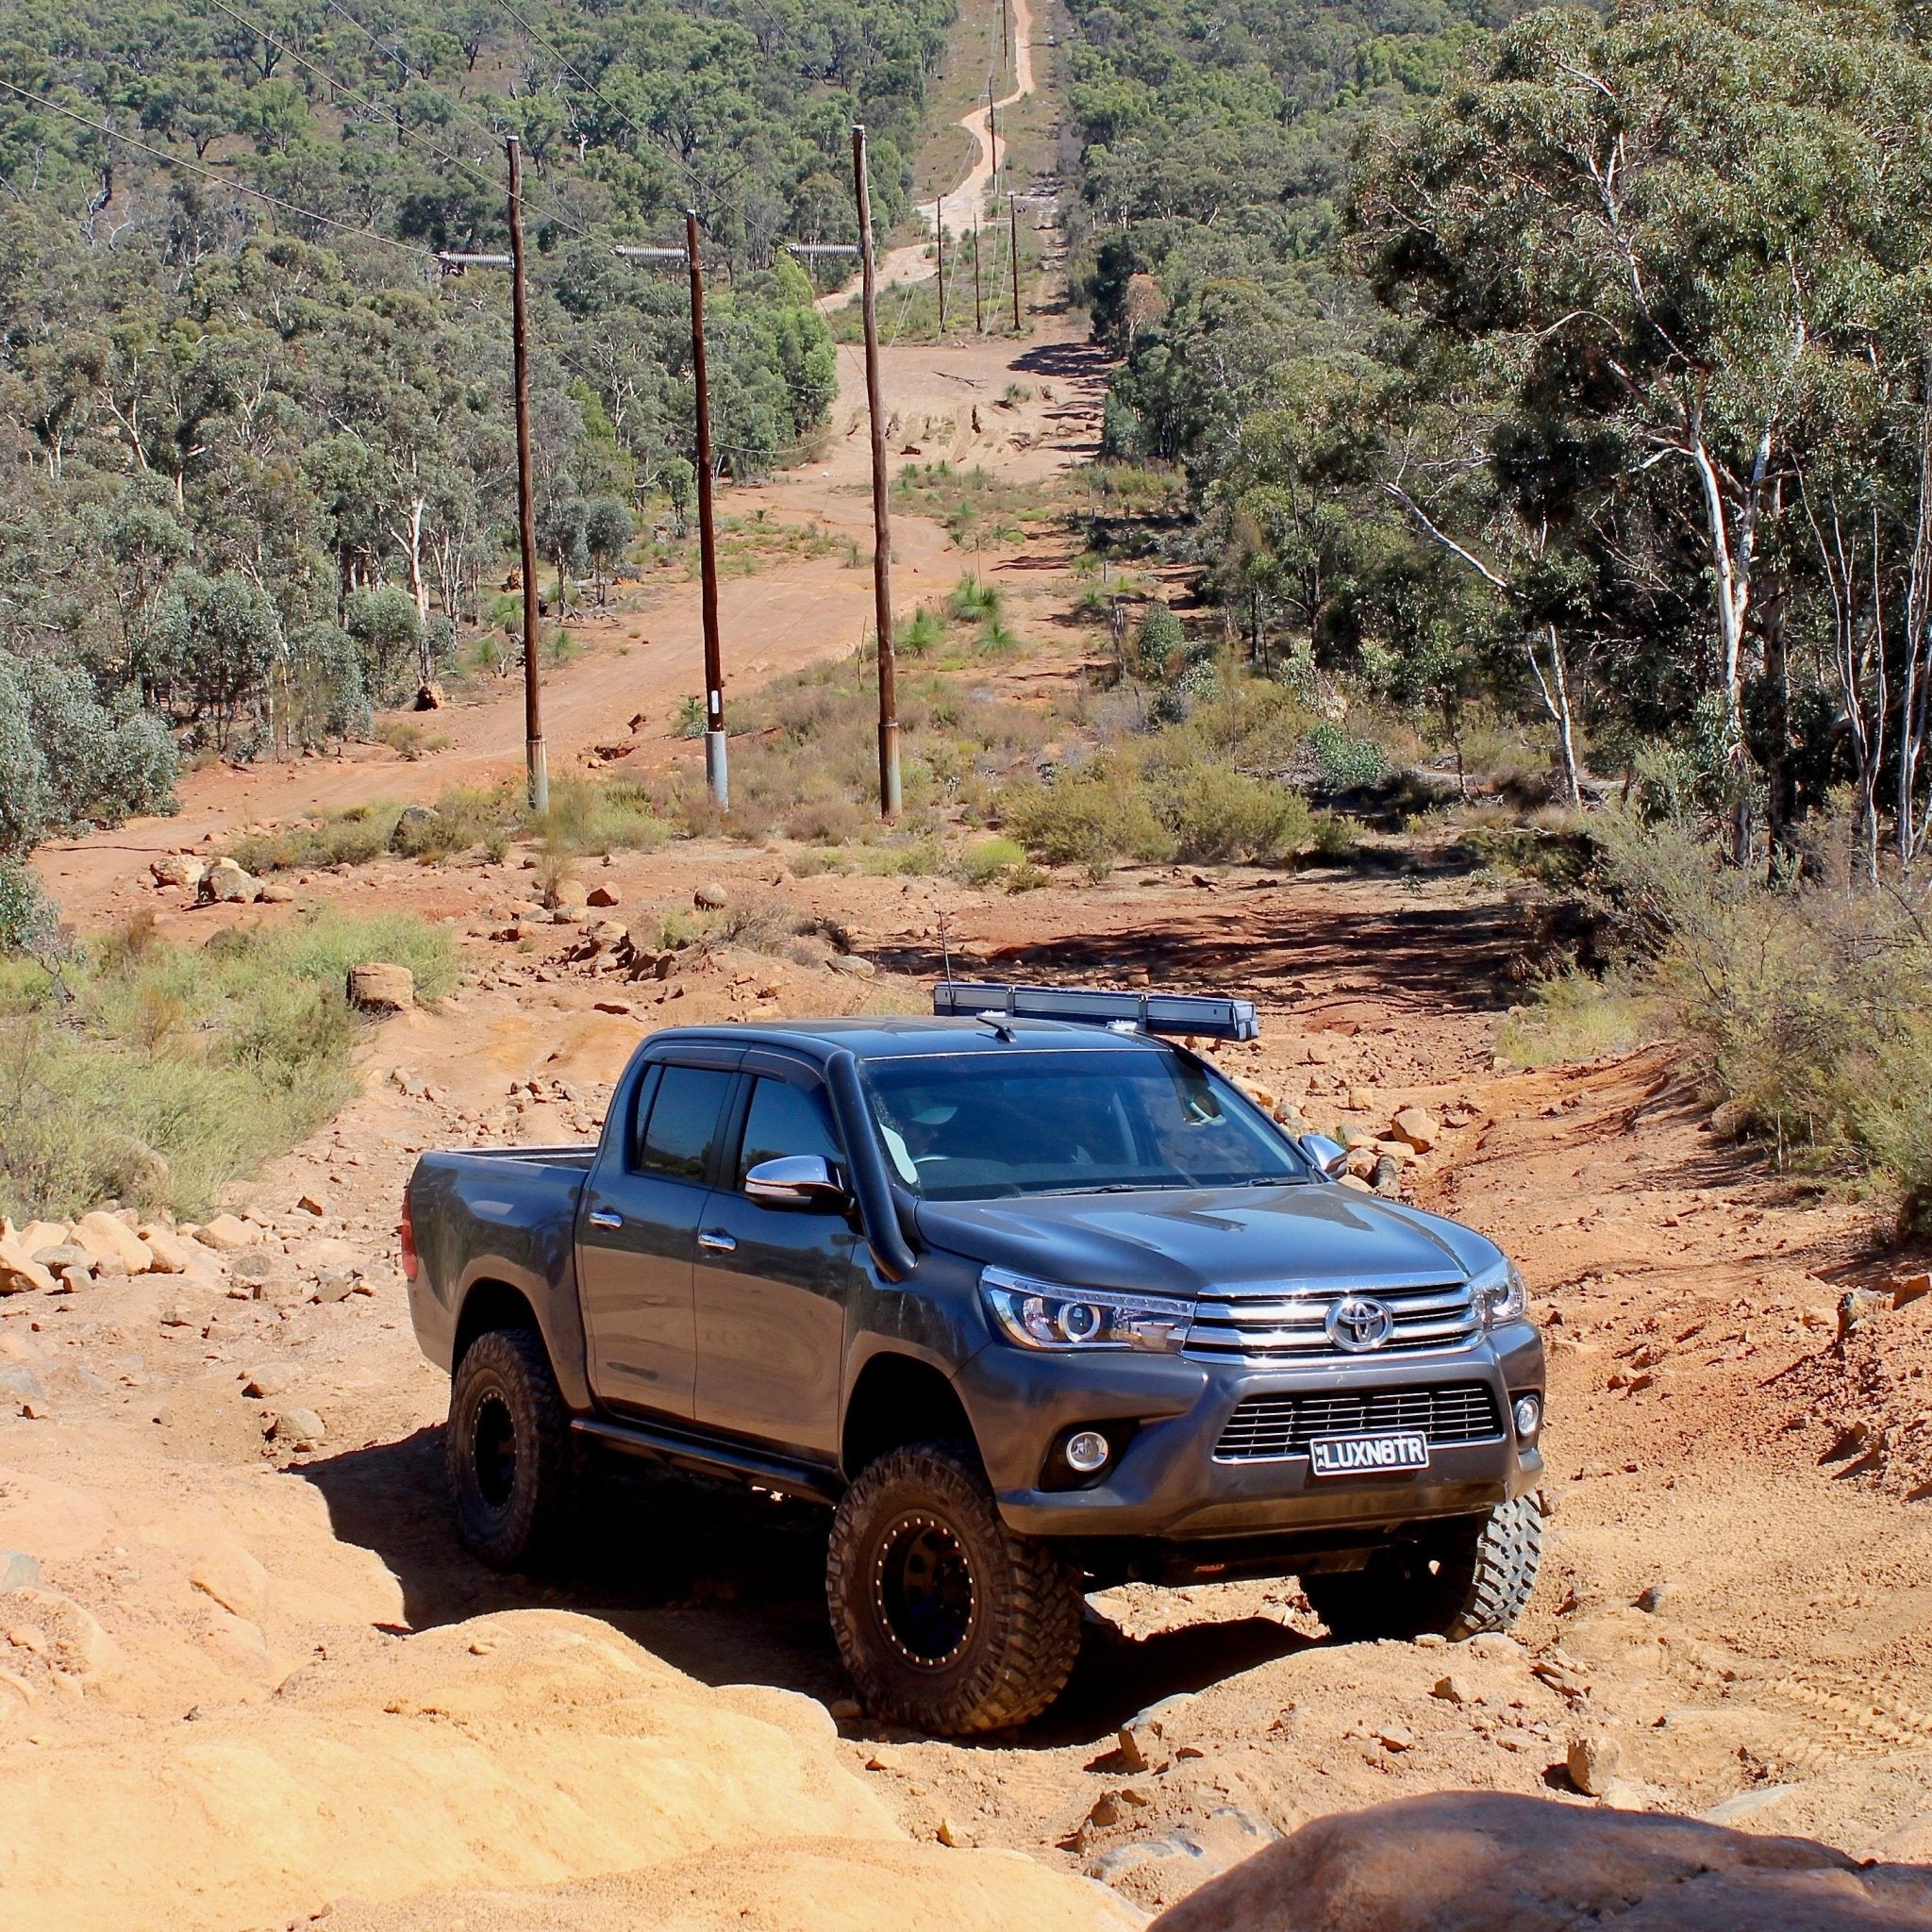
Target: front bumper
{"type": "Point", "coordinates": [1166, 1484]}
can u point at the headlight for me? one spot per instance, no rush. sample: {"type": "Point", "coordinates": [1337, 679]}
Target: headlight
{"type": "Point", "coordinates": [1501, 1294]}
{"type": "Point", "coordinates": [1049, 1314]}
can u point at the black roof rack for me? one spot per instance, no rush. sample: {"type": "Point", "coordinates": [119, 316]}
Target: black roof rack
{"type": "Point", "coordinates": [1182, 1013]}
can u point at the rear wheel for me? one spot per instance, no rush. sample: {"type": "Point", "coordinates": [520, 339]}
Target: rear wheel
{"type": "Point", "coordinates": [514, 1468]}
{"type": "Point", "coordinates": [1459, 1583]}
{"type": "Point", "coordinates": [947, 1620]}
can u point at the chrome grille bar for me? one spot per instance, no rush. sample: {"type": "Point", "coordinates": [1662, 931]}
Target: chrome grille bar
{"type": "Point", "coordinates": [1281, 1320]}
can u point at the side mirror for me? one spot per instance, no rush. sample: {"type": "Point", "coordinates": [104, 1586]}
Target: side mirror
{"type": "Point", "coordinates": [1331, 1156]}
{"type": "Point", "coordinates": [796, 1180]}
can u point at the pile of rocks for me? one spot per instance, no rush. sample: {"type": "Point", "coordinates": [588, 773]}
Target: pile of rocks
{"type": "Point", "coordinates": [58, 1257]}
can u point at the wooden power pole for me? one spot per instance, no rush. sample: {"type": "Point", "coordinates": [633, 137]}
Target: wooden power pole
{"type": "Point", "coordinates": [992, 136]}
{"type": "Point", "coordinates": [1013, 235]}
{"type": "Point", "coordinates": [538, 768]}
{"type": "Point", "coordinates": [938, 228]}
{"type": "Point", "coordinates": [716, 773]}
{"type": "Point", "coordinates": [978, 308]}
{"type": "Point", "coordinates": [881, 512]}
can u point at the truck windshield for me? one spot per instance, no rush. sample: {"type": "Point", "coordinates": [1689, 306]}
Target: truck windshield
{"type": "Point", "coordinates": [967, 1127]}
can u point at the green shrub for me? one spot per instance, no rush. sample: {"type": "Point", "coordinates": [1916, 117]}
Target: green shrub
{"type": "Point", "coordinates": [154, 1072]}
{"type": "Point", "coordinates": [26, 914]}
{"type": "Point", "coordinates": [1158, 640]}
{"type": "Point", "coordinates": [1217, 814]}
{"type": "Point", "coordinates": [1346, 762]}
{"type": "Point", "coordinates": [345, 838]}
{"type": "Point", "coordinates": [981, 863]}
{"type": "Point", "coordinates": [1336, 836]}
{"type": "Point", "coordinates": [1101, 813]}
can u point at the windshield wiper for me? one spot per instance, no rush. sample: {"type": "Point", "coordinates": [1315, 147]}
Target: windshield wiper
{"type": "Point", "coordinates": [1277, 1180]}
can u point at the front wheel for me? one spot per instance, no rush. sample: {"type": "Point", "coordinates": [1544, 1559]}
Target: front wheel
{"type": "Point", "coordinates": [947, 1621]}
{"type": "Point", "coordinates": [513, 1466]}
{"type": "Point", "coordinates": [1472, 1577]}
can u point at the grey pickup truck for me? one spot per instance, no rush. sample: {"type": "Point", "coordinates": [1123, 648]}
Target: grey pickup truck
{"type": "Point", "coordinates": [1029, 1294]}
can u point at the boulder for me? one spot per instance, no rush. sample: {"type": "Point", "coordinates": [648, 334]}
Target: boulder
{"type": "Point", "coordinates": [1593, 1759]}
{"type": "Point", "coordinates": [177, 869]}
{"type": "Point", "coordinates": [412, 825]}
{"type": "Point", "coordinates": [378, 987]}
{"type": "Point", "coordinates": [601, 895]}
{"type": "Point", "coordinates": [167, 1252]}
{"type": "Point", "coordinates": [20, 1274]}
{"type": "Point", "coordinates": [854, 965]}
{"type": "Point", "coordinates": [276, 895]}
{"type": "Point", "coordinates": [226, 884]}
{"type": "Point", "coordinates": [228, 1232]}
{"type": "Point", "coordinates": [1415, 1126]}
{"type": "Point", "coordinates": [567, 895]}
{"type": "Point", "coordinates": [299, 1428]}
{"type": "Point", "coordinates": [107, 1238]}
{"type": "Point", "coordinates": [710, 897]}
{"type": "Point", "coordinates": [1484, 1861]}
{"type": "Point", "coordinates": [428, 698]}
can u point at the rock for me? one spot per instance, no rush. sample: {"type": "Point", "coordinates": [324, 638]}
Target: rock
{"type": "Point", "coordinates": [167, 1252]}
{"type": "Point", "coordinates": [1396, 1737]}
{"type": "Point", "coordinates": [1146, 1740]}
{"type": "Point", "coordinates": [951, 1834]}
{"type": "Point", "coordinates": [299, 1428]}
{"type": "Point", "coordinates": [233, 1577]}
{"type": "Point", "coordinates": [1856, 1304]}
{"type": "Point", "coordinates": [19, 1571]}
{"type": "Point", "coordinates": [1417, 1128]}
{"type": "Point", "coordinates": [226, 884]}
{"type": "Point", "coordinates": [312, 1203]}
{"type": "Point", "coordinates": [63, 1254]}
{"type": "Point", "coordinates": [842, 1709]}
{"type": "Point", "coordinates": [1593, 1759]}
{"type": "Point", "coordinates": [21, 1274]}
{"type": "Point", "coordinates": [428, 698]}
{"type": "Point", "coordinates": [1651, 1600]}
{"type": "Point", "coordinates": [229, 1233]}
{"type": "Point", "coordinates": [334, 1285]}
{"type": "Point", "coordinates": [1454, 1690]}
{"type": "Point", "coordinates": [567, 895]}
{"type": "Point", "coordinates": [105, 1237]}
{"type": "Point", "coordinates": [264, 1385]}
{"type": "Point", "coordinates": [378, 987]}
{"type": "Point", "coordinates": [177, 869]}
{"type": "Point", "coordinates": [710, 897]}
{"type": "Point", "coordinates": [1909, 1288]}
{"type": "Point", "coordinates": [854, 965]}
{"type": "Point", "coordinates": [1483, 1861]}
{"type": "Point", "coordinates": [1361, 1100]}
{"type": "Point", "coordinates": [601, 895]}
{"type": "Point", "coordinates": [252, 1266]}
{"type": "Point", "coordinates": [20, 1383]}
{"type": "Point", "coordinates": [273, 894]}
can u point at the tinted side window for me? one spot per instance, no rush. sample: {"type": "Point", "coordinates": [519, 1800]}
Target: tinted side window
{"type": "Point", "coordinates": [683, 1127]}
{"type": "Point", "coordinates": [783, 1120]}
{"type": "Point", "coordinates": [641, 1112]}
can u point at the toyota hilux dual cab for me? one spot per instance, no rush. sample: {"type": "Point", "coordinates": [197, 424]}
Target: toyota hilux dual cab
{"type": "Point", "coordinates": [1035, 1305]}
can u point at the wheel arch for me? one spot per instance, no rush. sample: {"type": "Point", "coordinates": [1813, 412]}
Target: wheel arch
{"type": "Point", "coordinates": [897, 1399]}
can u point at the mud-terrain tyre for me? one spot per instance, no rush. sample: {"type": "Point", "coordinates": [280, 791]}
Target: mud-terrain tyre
{"type": "Point", "coordinates": [947, 1621]}
{"type": "Point", "coordinates": [515, 1472]}
{"type": "Point", "coordinates": [1474, 1578]}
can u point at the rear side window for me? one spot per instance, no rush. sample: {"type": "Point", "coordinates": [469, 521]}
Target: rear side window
{"type": "Point", "coordinates": [682, 1129]}
{"type": "Point", "coordinates": [783, 1120]}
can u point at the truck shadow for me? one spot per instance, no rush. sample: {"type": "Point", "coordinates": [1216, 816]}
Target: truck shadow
{"type": "Point", "coordinates": [723, 1584]}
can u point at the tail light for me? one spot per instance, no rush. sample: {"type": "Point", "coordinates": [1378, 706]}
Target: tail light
{"type": "Point", "coordinates": [405, 1234]}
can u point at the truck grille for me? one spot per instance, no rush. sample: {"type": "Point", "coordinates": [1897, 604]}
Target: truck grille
{"type": "Point", "coordinates": [1285, 1320]}
{"type": "Point", "coordinates": [1268, 1427]}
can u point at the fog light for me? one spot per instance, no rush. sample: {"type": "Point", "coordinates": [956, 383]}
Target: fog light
{"type": "Point", "coordinates": [1529, 1416]}
{"type": "Point", "coordinates": [1086, 1450]}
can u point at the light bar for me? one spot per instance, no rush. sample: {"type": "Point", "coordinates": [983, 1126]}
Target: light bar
{"type": "Point", "coordinates": [1141, 1012]}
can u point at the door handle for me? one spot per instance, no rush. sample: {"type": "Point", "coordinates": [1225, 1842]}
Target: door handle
{"type": "Point", "coordinates": [604, 1218]}
{"type": "Point", "coordinates": [715, 1241]}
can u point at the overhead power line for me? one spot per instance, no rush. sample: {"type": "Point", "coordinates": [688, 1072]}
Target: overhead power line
{"type": "Point", "coordinates": [367, 99]}
{"type": "Point", "coordinates": [307, 214]}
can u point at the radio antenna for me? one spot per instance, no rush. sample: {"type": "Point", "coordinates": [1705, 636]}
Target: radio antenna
{"type": "Point", "coordinates": [945, 949]}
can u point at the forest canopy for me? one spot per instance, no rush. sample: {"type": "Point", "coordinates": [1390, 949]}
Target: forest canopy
{"type": "Point", "coordinates": [256, 459]}
{"type": "Point", "coordinates": [1579, 364]}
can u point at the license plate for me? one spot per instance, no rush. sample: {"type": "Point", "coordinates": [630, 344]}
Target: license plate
{"type": "Point", "coordinates": [1402, 1449]}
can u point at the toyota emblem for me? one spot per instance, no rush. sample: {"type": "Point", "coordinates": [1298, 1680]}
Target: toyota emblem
{"type": "Point", "coordinates": [1356, 1323]}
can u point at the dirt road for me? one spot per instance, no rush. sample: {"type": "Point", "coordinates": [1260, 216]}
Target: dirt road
{"type": "Point", "coordinates": [1740, 1613]}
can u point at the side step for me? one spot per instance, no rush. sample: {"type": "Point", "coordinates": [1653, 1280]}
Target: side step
{"type": "Point", "coordinates": [707, 1457]}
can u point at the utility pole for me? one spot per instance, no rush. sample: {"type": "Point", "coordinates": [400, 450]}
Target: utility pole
{"type": "Point", "coordinates": [881, 513]}
{"type": "Point", "coordinates": [979, 310]}
{"type": "Point", "coordinates": [992, 136]}
{"type": "Point", "coordinates": [717, 776]}
{"type": "Point", "coordinates": [1003, 36]}
{"type": "Point", "coordinates": [534, 758]}
{"type": "Point", "coordinates": [1013, 230]}
{"type": "Point", "coordinates": [938, 228]}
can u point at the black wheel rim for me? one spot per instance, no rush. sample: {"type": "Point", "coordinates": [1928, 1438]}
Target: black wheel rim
{"type": "Point", "coordinates": [494, 1434]}
{"type": "Point", "coordinates": [923, 1591]}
